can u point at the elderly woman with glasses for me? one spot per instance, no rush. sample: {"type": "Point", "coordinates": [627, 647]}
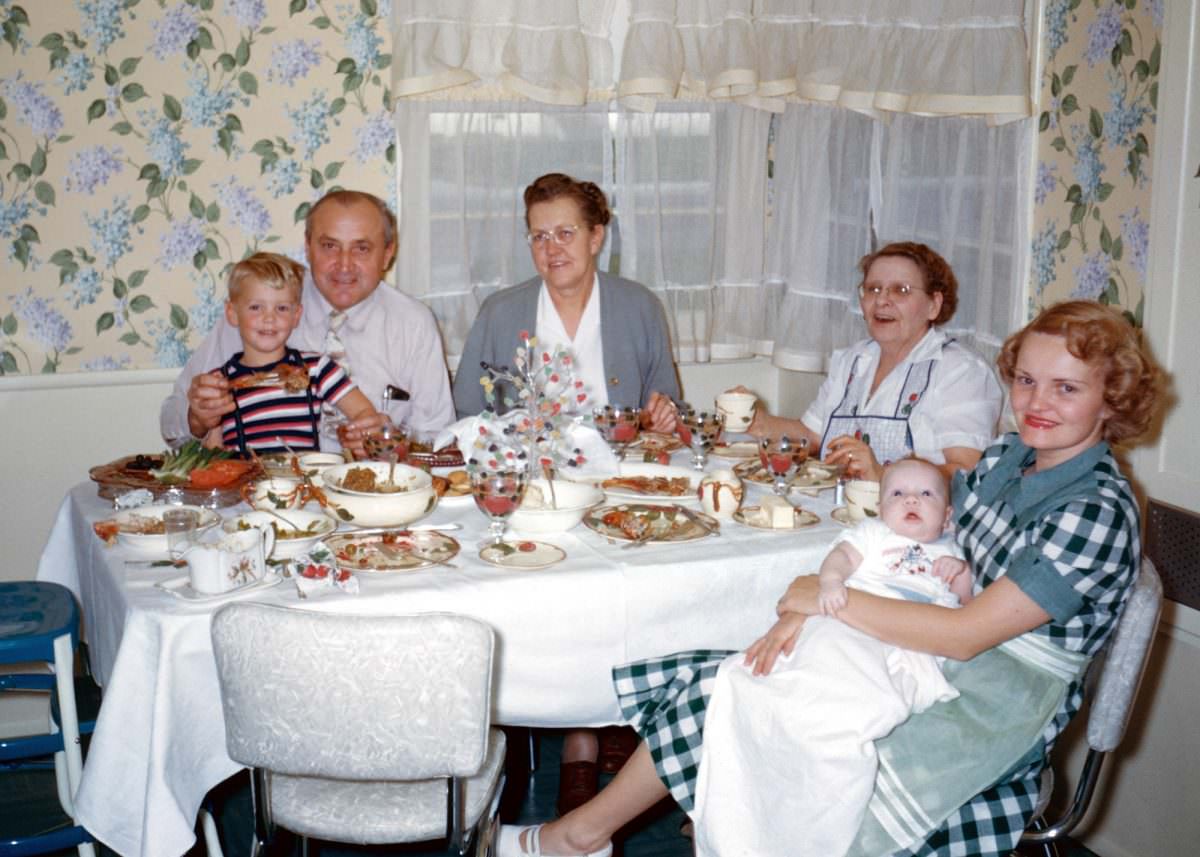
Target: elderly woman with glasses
{"type": "Point", "coordinates": [615, 328]}
{"type": "Point", "coordinates": [909, 388]}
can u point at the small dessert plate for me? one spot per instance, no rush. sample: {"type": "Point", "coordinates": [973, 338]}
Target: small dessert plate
{"type": "Point", "coordinates": [523, 555]}
{"type": "Point", "coordinates": [752, 516]}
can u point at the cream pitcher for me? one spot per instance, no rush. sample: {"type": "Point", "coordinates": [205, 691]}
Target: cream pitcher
{"type": "Point", "coordinates": [234, 560]}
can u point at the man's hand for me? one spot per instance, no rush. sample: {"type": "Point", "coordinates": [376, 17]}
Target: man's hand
{"type": "Point", "coordinates": [659, 414]}
{"type": "Point", "coordinates": [781, 639]}
{"type": "Point", "coordinates": [351, 433]}
{"type": "Point", "coordinates": [208, 400]}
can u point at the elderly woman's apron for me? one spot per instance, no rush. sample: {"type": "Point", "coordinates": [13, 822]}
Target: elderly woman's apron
{"type": "Point", "coordinates": [887, 432]}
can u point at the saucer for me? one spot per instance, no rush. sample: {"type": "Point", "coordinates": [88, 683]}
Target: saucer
{"type": "Point", "coordinates": [800, 520]}
{"type": "Point", "coordinates": [181, 587]}
{"type": "Point", "coordinates": [842, 515]}
{"type": "Point", "coordinates": [522, 555]}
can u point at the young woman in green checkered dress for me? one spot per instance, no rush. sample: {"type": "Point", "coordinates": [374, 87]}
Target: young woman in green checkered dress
{"type": "Point", "coordinates": [1052, 531]}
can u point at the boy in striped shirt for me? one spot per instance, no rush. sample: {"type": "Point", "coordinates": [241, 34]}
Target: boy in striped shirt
{"type": "Point", "coordinates": [277, 390]}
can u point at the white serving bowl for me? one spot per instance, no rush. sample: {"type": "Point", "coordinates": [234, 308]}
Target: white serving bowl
{"type": "Point", "coordinates": [156, 543]}
{"type": "Point", "coordinates": [363, 509]}
{"type": "Point", "coordinates": [316, 523]}
{"type": "Point", "coordinates": [573, 500]}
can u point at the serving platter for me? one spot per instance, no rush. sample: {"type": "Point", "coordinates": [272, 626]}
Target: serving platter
{"type": "Point", "coordinates": [389, 551]}
{"type": "Point", "coordinates": [133, 471]}
{"type": "Point", "coordinates": [656, 472]}
{"type": "Point", "coordinates": [646, 522]}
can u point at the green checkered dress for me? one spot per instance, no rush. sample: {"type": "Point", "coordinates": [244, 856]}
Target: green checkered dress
{"type": "Point", "coordinates": [1068, 537]}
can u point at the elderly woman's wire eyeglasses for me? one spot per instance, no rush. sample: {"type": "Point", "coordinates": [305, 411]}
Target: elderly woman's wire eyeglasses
{"type": "Point", "coordinates": [895, 291]}
{"type": "Point", "coordinates": [562, 236]}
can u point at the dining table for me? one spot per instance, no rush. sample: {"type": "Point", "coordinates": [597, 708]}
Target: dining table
{"type": "Point", "coordinates": [159, 742]}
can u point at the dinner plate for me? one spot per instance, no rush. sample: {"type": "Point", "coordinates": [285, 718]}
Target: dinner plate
{"type": "Point", "coordinates": [453, 500]}
{"type": "Point", "coordinates": [388, 551]}
{"type": "Point", "coordinates": [739, 450]}
{"type": "Point", "coordinates": [801, 519]}
{"type": "Point", "coordinates": [522, 555]}
{"type": "Point", "coordinates": [181, 587]}
{"type": "Point", "coordinates": [155, 543]}
{"type": "Point", "coordinates": [655, 471]}
{"type": "Point", "coordinates": [665, 523]}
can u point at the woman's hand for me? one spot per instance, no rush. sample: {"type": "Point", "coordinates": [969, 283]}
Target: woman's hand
{"type": "Point", "coordinates": [659, 414]}
{"type": "Point", "coordinates": [856, 454]}
{"type": "Point", "coordinates": [803, 596]}
{"type": "Point", "coordinates": [781, 639]}
{"type": "Point", "coordinates": [352, 433]}
{"type": "Point", "coordinates": [208, 400]}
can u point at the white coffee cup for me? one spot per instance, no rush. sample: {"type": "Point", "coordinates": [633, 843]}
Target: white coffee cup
{"type": "Point", "coordinates": [737, 409]}
{"type": "Point", "coordinates": [721, 493]}
{"type": "Point", "coordinates": [862, 499]}
{"type": "Point", "coordinates": [280, 492]}
{"type": "Point", "coordinates": [234, 560]}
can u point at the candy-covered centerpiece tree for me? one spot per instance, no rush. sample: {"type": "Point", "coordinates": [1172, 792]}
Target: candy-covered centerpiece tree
{"type": "Point", "coordinates": [526, 425]}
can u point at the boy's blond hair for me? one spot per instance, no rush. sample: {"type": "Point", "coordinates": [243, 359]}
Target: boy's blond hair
{"type": "Point", "coordinates": [270, 269]}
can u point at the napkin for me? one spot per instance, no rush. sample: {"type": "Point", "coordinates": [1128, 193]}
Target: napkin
{"type": "Point", "coordinates": [316, 573]}
{"type": "Point", "coordinates": [485, 435]}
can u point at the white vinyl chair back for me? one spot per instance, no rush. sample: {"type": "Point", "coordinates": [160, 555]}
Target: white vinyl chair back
{"type": "Point", "coordinates": [1113, 679]}
{"type": "Point", "coordinates": [354, 697]}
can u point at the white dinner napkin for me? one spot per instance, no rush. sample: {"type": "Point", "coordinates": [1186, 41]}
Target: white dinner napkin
{"type": "Point", "coordinates": [476, 436]}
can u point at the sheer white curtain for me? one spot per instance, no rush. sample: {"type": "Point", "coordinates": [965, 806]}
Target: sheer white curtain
{"type": "Point", "coordinates": [463, 169]}
{"type": "Point", "coordinates": [696, 174]}
{"type": "Point", "coordinates": [687, 186]}
{"type": "Point", "coordinates": [846, 183]}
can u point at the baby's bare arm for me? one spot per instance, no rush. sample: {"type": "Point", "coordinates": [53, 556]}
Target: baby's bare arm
{"type": "Point", "coordinates": [839, 564]}
{"type": "Point", "coordinates": [957, 574]}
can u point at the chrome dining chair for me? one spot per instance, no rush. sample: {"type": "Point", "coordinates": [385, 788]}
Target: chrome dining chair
{"type": "Point", "coordinates": [39, 624]}
{"type": "Point", "coordinates": [362, 729]}
{"type": "Point", "coordinates": [1112, 681]}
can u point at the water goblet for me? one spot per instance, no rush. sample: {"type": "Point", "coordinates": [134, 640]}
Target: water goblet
{"type": "Point", "coordinates": [782, 458]}
{"type": "Point", "coordinates": [498, 493]}
{"type": "Point", "coordinates": [699, 430]}
{"type": "Point", "coordinates": [619, 426]}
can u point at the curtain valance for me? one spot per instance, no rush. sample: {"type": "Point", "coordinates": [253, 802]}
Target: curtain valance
{"type": "Point", "coordinates": [556, 52]}
{"type": "Point", "coordinates": [906, 56]}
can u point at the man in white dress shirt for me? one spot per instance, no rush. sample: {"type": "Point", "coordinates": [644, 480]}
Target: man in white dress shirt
{"type": "Point", "coordinates": [388, 342]}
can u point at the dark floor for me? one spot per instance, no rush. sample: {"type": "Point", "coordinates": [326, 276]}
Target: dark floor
{"type": "Point", "coordinates": [654, 835]}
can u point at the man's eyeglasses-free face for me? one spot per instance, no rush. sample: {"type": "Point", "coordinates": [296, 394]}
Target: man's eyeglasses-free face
{"type": "Point", "coordinates": [562, 236]}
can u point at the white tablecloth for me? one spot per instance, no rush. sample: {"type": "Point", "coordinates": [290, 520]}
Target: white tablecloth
{"type": "Point", "coordinates": [159, 745]}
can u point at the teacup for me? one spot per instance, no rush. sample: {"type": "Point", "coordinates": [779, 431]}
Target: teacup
{"type": "Point", "coordinates": [721, 493]}
{"type": "Point", "coordinates": [313, 464]}
{"type": "Point", "coordinates": [280, 492]}
{"type": "Point", "coordinates": [737, 409]}
{"type": "Point", "coordinates": [862, 499]}
{"type": "Point", "coordinates": [234, 560]}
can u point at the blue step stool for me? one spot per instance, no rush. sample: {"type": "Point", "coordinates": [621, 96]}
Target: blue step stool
{"type": "Point", "coordinates": [39, 622]}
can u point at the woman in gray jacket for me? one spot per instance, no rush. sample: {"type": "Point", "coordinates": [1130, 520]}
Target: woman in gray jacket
{"type": "Point", "coordinates": [615, 328]}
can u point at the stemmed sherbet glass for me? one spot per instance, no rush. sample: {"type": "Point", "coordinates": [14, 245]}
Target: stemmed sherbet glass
{"type": "Point", "coordinates": [700, 430]}
{"type": "Point", "coordinates": [618, 426]}
{"type": "Point", "coordinates": [498, 493]}
{"type": "Point", "coordinates": [782, 458]}
{"type": "Point", "coordinates": [387, 443]}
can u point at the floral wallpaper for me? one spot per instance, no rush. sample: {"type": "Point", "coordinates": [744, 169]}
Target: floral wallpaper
{"type": "Point", "coordinates": [145, 145]}
{"type": "Point", "coordinates": [1098, 107]}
